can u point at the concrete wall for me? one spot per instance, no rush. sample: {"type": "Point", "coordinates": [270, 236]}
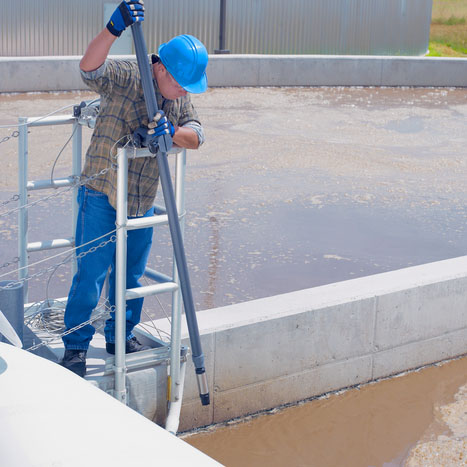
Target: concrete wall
{"type": "Point", "coordinates": [277, 350]}
{"type": "Point", "coordinates": [23, 74]}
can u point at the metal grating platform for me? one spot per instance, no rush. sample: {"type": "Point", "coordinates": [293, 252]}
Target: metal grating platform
{"type": "Point", "coordinates": [146, 371]}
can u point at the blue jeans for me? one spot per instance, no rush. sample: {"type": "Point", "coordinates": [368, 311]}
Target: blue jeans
{"type": "Point", "coordinates": [96, 217]}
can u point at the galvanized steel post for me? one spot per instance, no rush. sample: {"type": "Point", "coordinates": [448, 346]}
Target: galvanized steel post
{"type": "Point", "coordinates": [120, 286]}
{"type": "Point", "coordinates": [176, 323]}
{"type": "Point", "coordinates": [23, 199]}
{"type": "Point", "coordinates": [222, 23]}
{"type": "Point", "coordinates": [76, 172]}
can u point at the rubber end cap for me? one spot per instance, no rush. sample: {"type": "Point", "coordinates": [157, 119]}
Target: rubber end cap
{"type": "Point", "coordinates": [205, 399]}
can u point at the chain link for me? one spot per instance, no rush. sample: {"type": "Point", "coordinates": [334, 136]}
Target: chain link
{"type": "Point", "coordinates": [77, 182]}
{"type": "Point", "coordinates": [13, 198]}
{"type": "Point", "coordinates": [112, 166]}
{"type": "Point", "coordinates": [15, 134]}
{"type": "Point", "coordinates": [112, 239]}
{"type": "Point", "coordinates": [9, 263]}
{"type": "Point", "coordinates": [34, 203]}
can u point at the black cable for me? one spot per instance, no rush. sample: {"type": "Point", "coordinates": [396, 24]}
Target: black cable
{"type": "Point", "coordinates": [60, 153]}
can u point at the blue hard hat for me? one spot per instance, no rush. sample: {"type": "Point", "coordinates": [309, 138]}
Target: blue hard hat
{"type": "Point", "coordinates": [186, 58]}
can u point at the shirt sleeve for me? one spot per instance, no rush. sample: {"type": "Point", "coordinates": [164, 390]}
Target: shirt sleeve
{"type": "Point", "coordinates": [198, 130]}
{"type": "Point", "coordinates": [113, 76]}
{"type": "Point", "coordinates": [187, 117]}
{"type": "Point", "coordinates": [187, 112]}
{"type": "Point", "coordinates": [91, 75]}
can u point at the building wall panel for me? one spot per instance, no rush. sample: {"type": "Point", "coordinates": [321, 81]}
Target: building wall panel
{"type": "Point", "coordinates": [344, 27]}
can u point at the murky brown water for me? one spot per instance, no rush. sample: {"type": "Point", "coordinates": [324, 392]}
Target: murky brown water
{"type": "Point", "coordinates": [375, 425]}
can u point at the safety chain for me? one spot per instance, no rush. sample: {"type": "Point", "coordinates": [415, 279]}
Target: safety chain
{"type": "Point", "coordinates": [9, 263]}
{"type": "Point", "coordinates": [69, 331]}
{"type": "Point", "coordinates": [112, 239]}
{"type": "Point", "coordinates": [77, 182]}
{"type": "Point", "coordinates": [34, 203]}
{"type": "Point", "coordinates": [112, 166]}
{"type": "Point", "coordinates": [13, 198]}
{"type": "Point", "coordinates": [15, 134]}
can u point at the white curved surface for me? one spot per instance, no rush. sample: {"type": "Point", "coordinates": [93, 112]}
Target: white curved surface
{"type": "Point", "coordinates": [6, 329]}
{"type": "Point", "coordinates": [51, 417]}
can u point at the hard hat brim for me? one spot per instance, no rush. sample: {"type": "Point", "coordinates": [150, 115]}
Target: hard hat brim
{"type": "Point", "coordinates": [198, 87]}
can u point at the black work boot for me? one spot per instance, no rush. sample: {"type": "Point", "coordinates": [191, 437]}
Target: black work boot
{"type": "Point", "coordinates": [75, 361]}
{"type": "Point", "coordinates": [131, 345]}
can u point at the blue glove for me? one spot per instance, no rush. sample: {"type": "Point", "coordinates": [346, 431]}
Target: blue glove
{"type": "Point", "coordinates": [160, 125]}
{"type": "Point", "coordinates": [126, 14]}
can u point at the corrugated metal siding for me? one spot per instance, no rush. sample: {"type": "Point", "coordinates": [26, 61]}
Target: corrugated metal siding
{"type": "Point", "coordinates": [361, 27]}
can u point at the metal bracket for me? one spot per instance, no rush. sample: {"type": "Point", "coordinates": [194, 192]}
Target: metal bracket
{"type": "Point", "coordinates": [86, 112]}
{"type": "Point", "coordinates": [140, 360]}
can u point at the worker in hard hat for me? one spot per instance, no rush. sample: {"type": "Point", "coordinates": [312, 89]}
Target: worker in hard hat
{"type": "Point", "coordinates": [178, 70]}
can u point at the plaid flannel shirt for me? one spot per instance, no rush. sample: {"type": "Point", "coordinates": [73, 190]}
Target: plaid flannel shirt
{"type": "Point", "coordinates": [122, 111]}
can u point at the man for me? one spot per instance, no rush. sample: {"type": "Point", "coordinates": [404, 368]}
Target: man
{"type": "Point", "coordinates": [179, 68]}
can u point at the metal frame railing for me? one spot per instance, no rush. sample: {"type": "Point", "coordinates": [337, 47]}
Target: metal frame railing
{"type": "Point", "coordinates": [24, 186]}
{"type": "Point", "coordinates": [164, 283]}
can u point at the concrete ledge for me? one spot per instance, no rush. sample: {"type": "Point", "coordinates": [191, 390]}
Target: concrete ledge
{"type": "Point", "coordinates": [24, 74]}
{"type": "Point", "coordinates": [332, 70]}
{"type": "Point", "coordinates": [290, 347]}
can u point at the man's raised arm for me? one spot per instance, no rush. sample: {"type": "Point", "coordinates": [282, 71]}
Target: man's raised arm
{"type": "Point", "coordinates": [127, 13]}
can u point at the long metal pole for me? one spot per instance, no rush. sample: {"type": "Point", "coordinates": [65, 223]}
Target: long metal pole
{"type": "Point", "coordinates": [176, 325]}
{"type": "Point", "coordinates": [222, 27]}
{"type": "Point", "coordinates": [120, 289]}
{"type": "Point", "coordinates": [177, 242]}
{"type": "Point", "coordinates": [23, 199]}
{"type": "Point", "coordinates": [77, 153]}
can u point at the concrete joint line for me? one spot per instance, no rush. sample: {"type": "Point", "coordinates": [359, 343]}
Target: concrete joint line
{"type": "Point", "coordinates": [381, 73]}
{"type": "Point", "coordinates": [425, 340]}
{"type": "Point", "coordinates": [373, 337]}
{"type": "Point", "coordinates": [292, 375]}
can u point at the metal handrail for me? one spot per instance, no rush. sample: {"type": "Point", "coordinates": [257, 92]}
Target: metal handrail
{"type": "Point", "coordinates": [24, 186]}
{"type": "Point", "coordinates": [166, 284]}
